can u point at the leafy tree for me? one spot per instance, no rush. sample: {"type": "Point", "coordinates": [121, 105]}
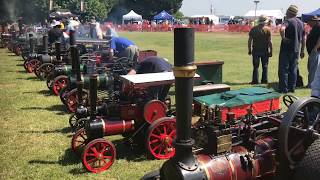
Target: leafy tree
{"type": "Point", "coordinates": [149, 8]}
{"type": "Point", "coordinates": [178, 15]}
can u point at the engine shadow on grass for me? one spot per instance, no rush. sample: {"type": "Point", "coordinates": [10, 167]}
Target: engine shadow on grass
{"type": "Point", "coordinates": [68, 158]}
{"type": "Point", "coordinates": [42, 92]}
{"type": "Point", "coordinates": [33, 78]}
{"type": "Point", "coordinates": [64, 130]}
{"type": "Point", "coordinates": [58, 109]}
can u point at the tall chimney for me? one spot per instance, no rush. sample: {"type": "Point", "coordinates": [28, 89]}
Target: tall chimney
{"type": "Point", "coordinates": [31, 43]}
{"type": "Point", "coordinates": [183, 165]}
{"type": "Point", "coordinates": [45, 44]}
{"type": "Point", "coordinates": [57, 47]}
{"type": "Point", "coordinates": [74, 58]}
{"type": "Point", "coordinates": [93, 95]}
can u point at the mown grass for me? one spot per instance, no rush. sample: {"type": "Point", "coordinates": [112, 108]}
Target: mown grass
{"type": "Point", "coordinates": [34, 133]}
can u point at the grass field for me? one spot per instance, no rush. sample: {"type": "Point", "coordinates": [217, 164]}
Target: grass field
{"type": "Point", "coordinates": [34, 134]}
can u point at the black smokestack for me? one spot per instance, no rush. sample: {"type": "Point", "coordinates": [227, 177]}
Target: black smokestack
{"type": "Point", "coordinates": [31, 43]}
{"type": "Point", "coordinates": [183, 165]}
{"type": "Point", "coordinates": [57, 47]}
{"type": "Point", "coordinates": [45, 44]}
{"type": "Point", "coordinates": [93, 95]}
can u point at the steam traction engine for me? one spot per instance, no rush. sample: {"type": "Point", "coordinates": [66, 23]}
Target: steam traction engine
{"type": "Point", "coordinates": [238, 142]}
{"type": "Point", "coordinates": [133, 113]}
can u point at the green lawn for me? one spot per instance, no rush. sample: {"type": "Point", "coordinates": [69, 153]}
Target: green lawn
{"type": "Point", "coordinates": [34, 134]}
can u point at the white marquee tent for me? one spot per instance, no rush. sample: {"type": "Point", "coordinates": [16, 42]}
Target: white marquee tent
{"type": "Point", "coordinates": [131, 16]}
{"type": "Point", "coordinates": [274, 14]}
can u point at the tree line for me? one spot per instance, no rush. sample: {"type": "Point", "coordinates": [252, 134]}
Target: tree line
{"type": "Point", "coordinates": [38, 10]}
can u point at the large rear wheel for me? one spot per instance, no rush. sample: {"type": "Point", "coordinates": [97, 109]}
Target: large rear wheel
{"type": "Point", "coordinates": [160, 136]}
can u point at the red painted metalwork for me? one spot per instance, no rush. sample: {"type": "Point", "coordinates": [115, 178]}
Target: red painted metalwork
{"type": "Point", "coordinates": [130, 111]}
{"type": "Point", "coordinates": [59, 83]}
{"type": "Point", "coordinates": [160, 137]}
{"type": "Point", "coordinates": [79, 140]}
{"type": "Point", "coordinates": [154, 110]}
{"type": "Point", "coordinates": [99, 155]}
{"type": "Point", "coordinates": [241, 165]}
{"type": "Point", "coordinates": [117, 127]}
{"type": "Point", "coordinates": [257, 108]}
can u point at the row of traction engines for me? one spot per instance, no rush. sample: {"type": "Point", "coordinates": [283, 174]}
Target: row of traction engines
{"type": "Point", "coordinates": [210, 133]}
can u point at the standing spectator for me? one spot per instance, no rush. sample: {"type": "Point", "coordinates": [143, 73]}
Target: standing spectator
{"type": "Point", "coordinates": [312, 39]}
{"type": "Point", "coordinates": [122, 47]}
{"type": "Point", "coordinates": [292, 45]}
{"type": "Point", "coordinates": [315, 85]}
{"type": "Point", "coordinates": [260, 47]}
{"type": "Point", "coordinates": [110, 32]}
{"type": "Point", "coordinates": [55, 34]}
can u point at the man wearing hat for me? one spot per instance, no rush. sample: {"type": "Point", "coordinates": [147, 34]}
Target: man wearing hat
{"type": "Point", "coordinates": [55, 33]}
{"type": "Point", "coordinates": [260, 47]}
{"type": "Point", "coordinates": [313, 52]}
{"type": "Point", "coordinates": [292, 46]}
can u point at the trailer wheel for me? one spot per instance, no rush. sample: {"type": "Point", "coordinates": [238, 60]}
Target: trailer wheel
{"type": "Point", "coordinates": [32, 65]}
{"type": "Point", "coordinates": [309, 167]}
{"type": "Point", "coordinates": [79, 141]}
{"type": "Point", "coordinates": [59, 83]}
{"type": "Point", "coordinates": [160, 136]}
{"type": "Point", "coordinates": [98, 155]}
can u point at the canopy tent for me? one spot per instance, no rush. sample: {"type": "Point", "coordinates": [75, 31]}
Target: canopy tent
{"type": "Point", "coordinates": [61, 13]}
{"type": "Point", "coordinates": [131, 16]}
{"type": "Point", "coordinates": [307, 16]}
{"type": "Point", "coordinates": [163, 15]}
{"type": "Point", "coordinates": [211, 17]}
{"type": "Point", "coordinates": [274, 14]}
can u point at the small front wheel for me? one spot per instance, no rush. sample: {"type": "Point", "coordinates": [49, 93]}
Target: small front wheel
{"type": "Point", "coordinates": [98, 155]}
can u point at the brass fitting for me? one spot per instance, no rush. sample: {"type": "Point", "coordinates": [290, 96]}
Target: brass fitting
{"type": "Point", "coordinates": [184, 71]}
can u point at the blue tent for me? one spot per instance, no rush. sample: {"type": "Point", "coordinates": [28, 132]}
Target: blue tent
{"type": "Point", "coordinates": [163, 16]}
{"type": "Point", "coordinates": [307, 16]}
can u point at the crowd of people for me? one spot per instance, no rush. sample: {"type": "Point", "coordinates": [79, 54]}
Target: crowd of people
{"type": "Point", "coordinates": [293, 42]}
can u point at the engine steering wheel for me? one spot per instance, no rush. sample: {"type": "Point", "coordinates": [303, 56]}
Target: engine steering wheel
{"type": "Point", "coordinates": [288, 99]}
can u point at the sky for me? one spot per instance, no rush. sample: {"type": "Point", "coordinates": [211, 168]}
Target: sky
{"type": "Point", "coordinates": [240, 7]}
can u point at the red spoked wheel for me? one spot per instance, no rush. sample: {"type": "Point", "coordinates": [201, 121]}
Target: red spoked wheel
{"type": "Point", "coordinates": [98, 155]}
{"type": "Point", "coordinates": [160, 136]}
{"type": "Point", "coordinates": [72, 100]}
{"type": "Point", "coordinates": [79, 141]}
{"type": "Point", "coordinates": [32, 65]}
{"type": "Point", "coordinates": [59, 83]}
